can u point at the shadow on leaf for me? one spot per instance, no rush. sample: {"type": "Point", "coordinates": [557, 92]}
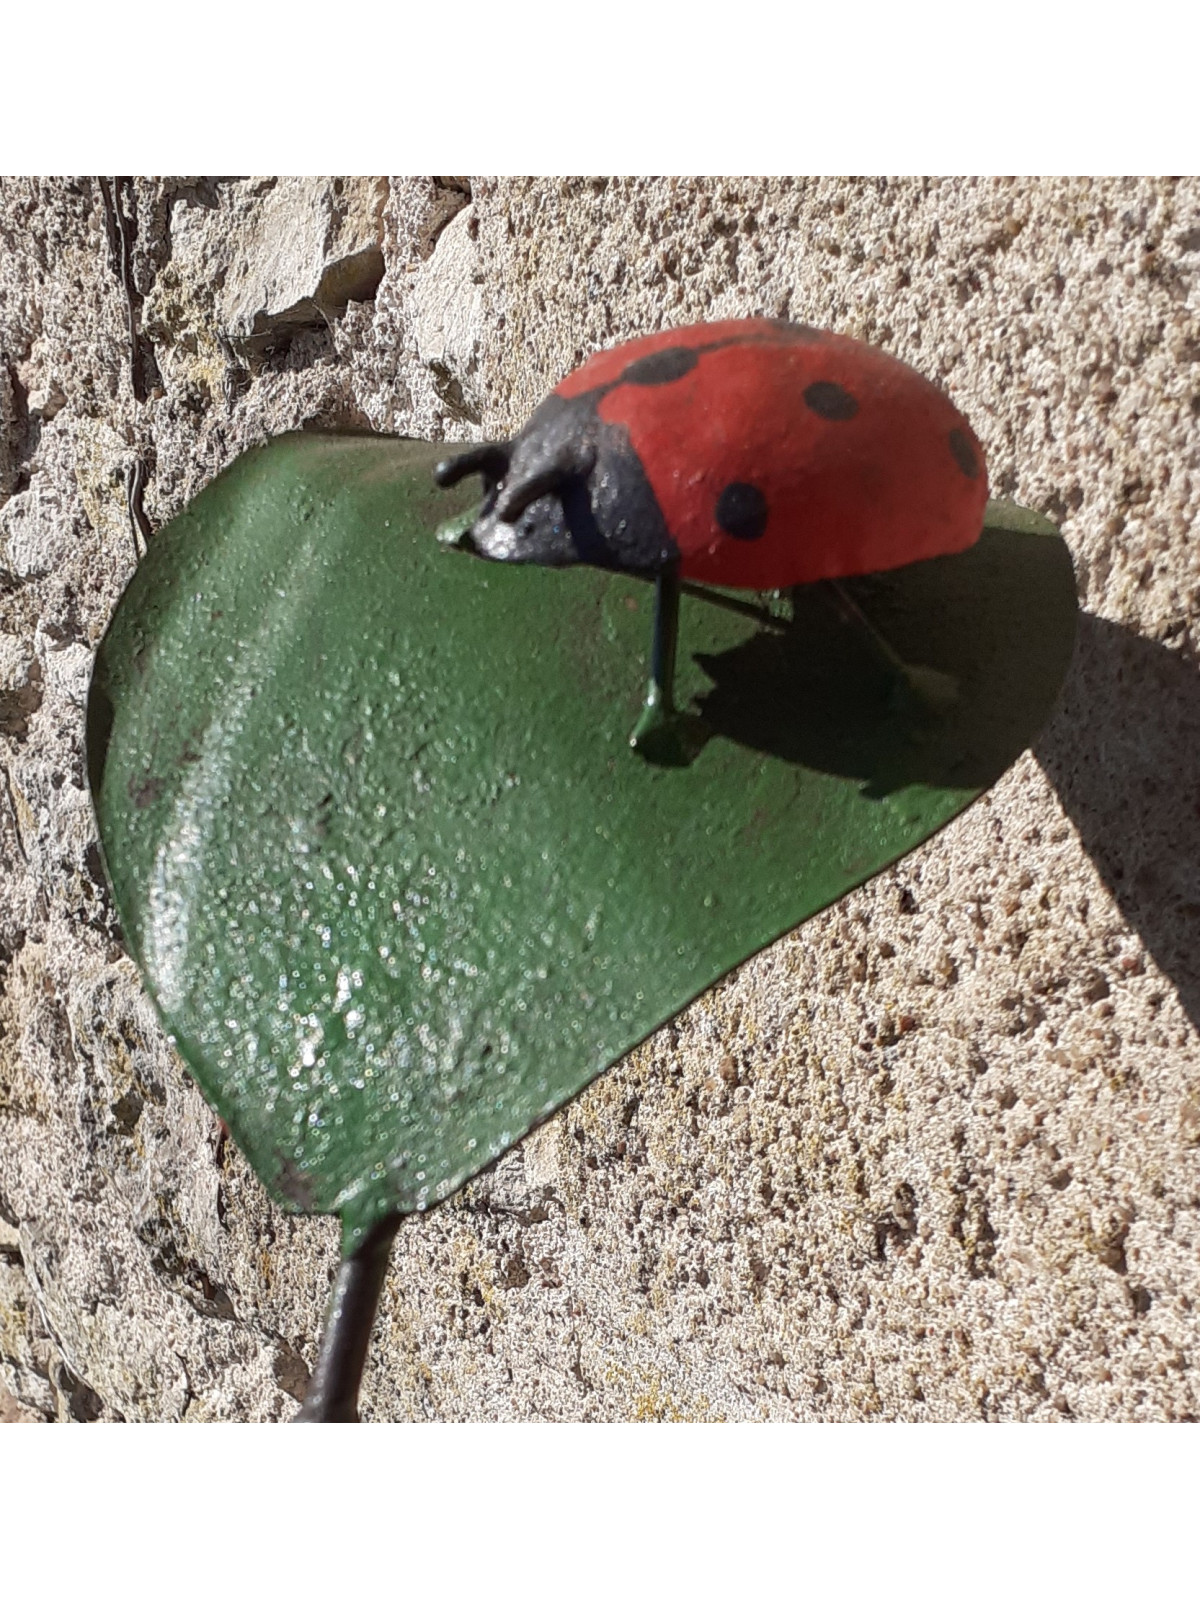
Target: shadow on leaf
{"type": "Point", "coordinates": [985, 638]}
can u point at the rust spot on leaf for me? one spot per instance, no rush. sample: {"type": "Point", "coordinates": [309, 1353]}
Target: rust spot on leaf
{"type": "Point", "coordinates": [294, 1184]}
{"type": "Point", "coordinates": [145, 792]}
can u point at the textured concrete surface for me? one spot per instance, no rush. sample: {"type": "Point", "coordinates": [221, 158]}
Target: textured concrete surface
{"type": "Point", "coordinates": [936, 1156]}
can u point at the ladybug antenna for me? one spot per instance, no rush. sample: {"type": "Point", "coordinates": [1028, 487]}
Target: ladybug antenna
{"type": "Point", "coordinates": [572, 459]}
{"type": "Point", "coordinates": [489, 460]}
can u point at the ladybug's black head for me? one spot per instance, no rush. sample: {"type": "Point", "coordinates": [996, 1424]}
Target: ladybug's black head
{"type": "Point", "coordinates": [567, 489]}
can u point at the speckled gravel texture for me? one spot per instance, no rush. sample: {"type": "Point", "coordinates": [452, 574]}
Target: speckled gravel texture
{"type": "Point", "coordinates": [934, 1157]}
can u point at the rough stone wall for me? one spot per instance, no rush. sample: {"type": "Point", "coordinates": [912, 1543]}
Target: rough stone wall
{"type": "Point", "coordinates": [936, 1156]}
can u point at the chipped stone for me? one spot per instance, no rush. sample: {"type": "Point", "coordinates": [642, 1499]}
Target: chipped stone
{"type": "Point", "coordinates": [274, 257]}
{"type": "Point", "coordinates": [47, 400]}
{"type": "Point", "coordinates": [314, 245]}
{"type": "Point", "coordinates": [36, 531]}
{"type": "Point", "coordinates": [448, 302]}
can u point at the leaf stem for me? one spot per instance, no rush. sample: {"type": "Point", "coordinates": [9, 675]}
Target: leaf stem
{"type": "Point", "coordinates": [333, 1393]}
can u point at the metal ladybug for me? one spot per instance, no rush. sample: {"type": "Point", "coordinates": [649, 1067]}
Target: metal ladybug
{"type": "Point", "coordinates": [751, 454]}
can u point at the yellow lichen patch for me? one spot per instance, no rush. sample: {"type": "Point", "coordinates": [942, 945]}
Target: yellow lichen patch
{"type": "Point", "coordinates": [25, 820]}
{"type": "Point", "coordinates": [100, 456]}
{"type": "Point", "coordinates": [653, 1405]}
{"type": "Point", "coordinates": [864, 1399]}
{"type": "Point", "coordinates": [22, 1092]}
{"type": "Point", "coordinates": [649, 1400]}
{"type": "Point", "coordinates": [16, 1330]}
{"type": "Point", "coordinates": [179, 317]}
{"type": "Point", "coordinates": [475, 1271]}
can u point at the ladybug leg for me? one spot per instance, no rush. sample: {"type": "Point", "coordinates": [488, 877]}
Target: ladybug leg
{"type": "Point", "coordinates": [921, 689]}
{"type": "Point", "coordinates": [662, 734]}
{"type": "Point", "coordinates": [333, 1393]}
{"type": "Point", "coordinates": [851, 612]}
{"type": "Point", "coordinates": [660, 697]}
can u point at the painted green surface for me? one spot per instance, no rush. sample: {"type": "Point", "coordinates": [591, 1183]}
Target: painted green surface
{"type": "Point", "coordinates": [377, 839]}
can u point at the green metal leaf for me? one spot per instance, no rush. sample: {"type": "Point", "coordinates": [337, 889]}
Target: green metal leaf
{"type": "Point", "coordinates": [395, 879]}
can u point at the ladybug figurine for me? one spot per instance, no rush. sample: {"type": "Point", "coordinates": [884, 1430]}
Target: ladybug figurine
{"type": "Point", "coordinates": [751, 454]}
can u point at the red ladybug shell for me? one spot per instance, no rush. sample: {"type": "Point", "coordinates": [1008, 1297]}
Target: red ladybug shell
{"type": "Point", "coordinates": [782, 455]}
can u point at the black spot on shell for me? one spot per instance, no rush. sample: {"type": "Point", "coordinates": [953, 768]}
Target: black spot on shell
{"type": "Point", "coordinates": [742, 511]}
{"type": "Point", "coordinates": [963, 452]}
{"type": "Point", "coordinates": [664, 366]}
{"type": "Point", "coordinates": [831, 401]}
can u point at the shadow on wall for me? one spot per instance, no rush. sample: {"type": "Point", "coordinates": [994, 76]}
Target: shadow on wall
{"type": "Point", "coordinates": [1123, 752]}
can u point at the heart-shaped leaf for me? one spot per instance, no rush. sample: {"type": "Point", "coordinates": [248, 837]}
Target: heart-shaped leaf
{"type": "Point", "coordinates": [395, 879]}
